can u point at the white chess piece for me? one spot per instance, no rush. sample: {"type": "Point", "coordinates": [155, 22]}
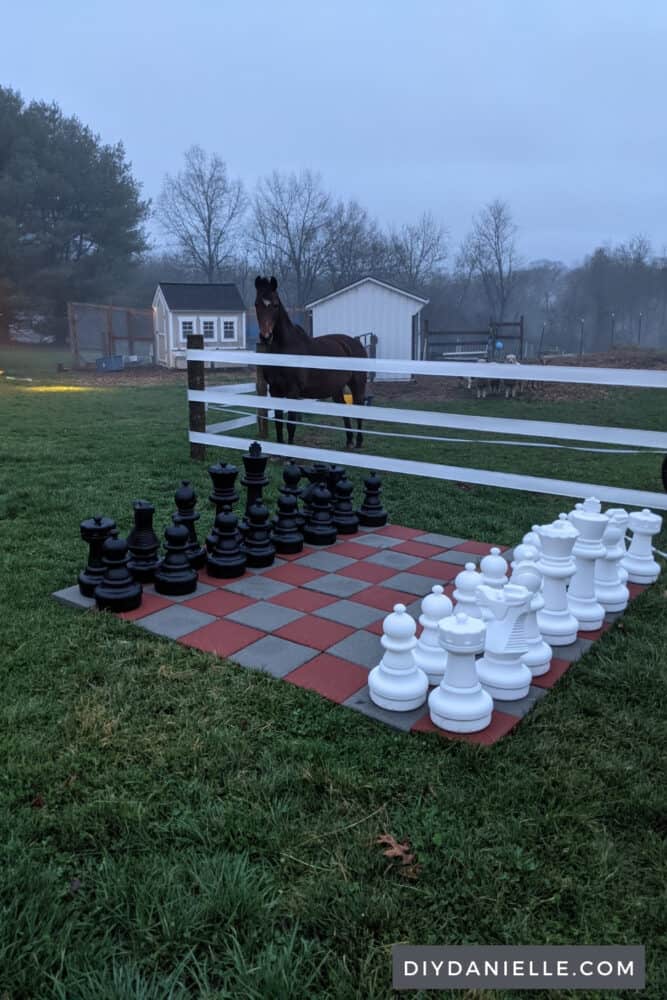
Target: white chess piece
{"type": "Point", "coordinates": [639, 561]}
{"type": "Point", "coordinates": [610, 589]}
{"type": "Point", "coordinates": [526, 556]}
{"type": "Point", "coordinates": [556, 622]}
{"type": "Point", "coordinates": [494, 570]}
{"type": "Point", "coordinates": [500, 670]}
{"type": "Point", "coordinates": [460, 704]}
{"type": "Point", "coordinates": [532, 538]}
{"type": "Point", "coordinates": [428, 653]}
{"type": "Point", "coordinates": [397, 683]}
{"type": "Point", "coordinates": [539, 653]}
{"type": "Point", "coordinates": [588, 548]}
{"type": "Point", "coordinates": [467, 582]}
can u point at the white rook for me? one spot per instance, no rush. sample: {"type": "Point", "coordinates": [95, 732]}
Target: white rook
{"type": "Point", "coordinates": [556, 622]}
{"type": "Point", "coordinates": [460, 704]}
{"type": "Point", "coordinates": [639, 561]}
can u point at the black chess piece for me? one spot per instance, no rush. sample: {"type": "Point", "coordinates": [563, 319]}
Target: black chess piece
{"type": "Point", "coordinates": [257, 545]}
{"type": "Point", "coordinates": [334, 474]}
{"type": "Point", "coordinates": [176, 575]}
{"type": "Point", "coordinates": [255, 478]}
{"type": "Point", "coordinates": [143, 543]}
{"type": "Point", "coordinates": [186, 501]}
{"type": "Point", "coordinates": [226, 558]}
{"type": "Point", "coordinates": [319, 528]}
{"type": "Point", "coordinates": [344, 518]}
{"type": "Point", "coordinates": [287, 537]}
{"type": "Point", "coordinates": [118, 590]}
{"type": "Point", "coordinates": [224, 478]}
{"type": "Point", "coordinates": [95, 532]}
{"type": "Point", "coordinates": [371, 513]}
{"type": "Point", "coordinates": [316, 475]}
{"type": "Point", "coordinates": [291, 477]}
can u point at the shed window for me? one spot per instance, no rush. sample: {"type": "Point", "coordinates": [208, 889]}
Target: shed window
{"type": "Point", "coordinates": [208, 326]}
{"type": "Point", "coordinates": [187, 328]}
{"type": "Point", "coordinates": [229, 329]}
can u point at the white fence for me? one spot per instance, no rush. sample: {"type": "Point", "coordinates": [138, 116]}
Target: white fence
{"type": "Point", "coordinates": [242, 395]}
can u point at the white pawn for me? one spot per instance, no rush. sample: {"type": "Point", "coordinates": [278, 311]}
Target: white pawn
{"type": "Point", "coordinates": [591, 525]}
{"type": "Point", "coordinates": [610, 577]}
{"type": "Point", "coordinates": [500, 670]}
{"type": "Point", "coordinates": [397, 683]}
{"type": "Point", "coordinates": [556, 622]}
{"type": "Point", "coordinates": [532, 538]}
{"type": "Point", "coordinates": [460, 704]}
{"type": "Point", "coordinates": [465, 594]}
{"type": "Point", "coordinates": [639, 561]}
{"type": "Point", "coordinates": [525, 557]}
{"type": "Point", "coordinates": [429, 654]}
{"type": "Point", "coordinates": [494, 570]}
{"type": "Point", "coordinates": [538, 655]}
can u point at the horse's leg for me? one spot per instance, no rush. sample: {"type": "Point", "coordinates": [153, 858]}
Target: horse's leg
{"type": "Point", "coordinates": [279, 425]}
{"type": "Point", "coordinates": [358, 388]}
{"type": "Point", "coordinates": [291, 426]}
{"type": "Point", "coordinates": [339, 397]}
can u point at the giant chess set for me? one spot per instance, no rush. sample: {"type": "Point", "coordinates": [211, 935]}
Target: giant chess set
{"type": "Point", "coordinates": [423, 632]}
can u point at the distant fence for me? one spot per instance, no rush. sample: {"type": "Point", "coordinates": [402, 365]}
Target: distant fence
{"type": "Point", "coordinates": [97, 331]}
{"type": "Point", "coordinates": [468, 345]}
{"type": "Point", "coordinates": [241, 395]}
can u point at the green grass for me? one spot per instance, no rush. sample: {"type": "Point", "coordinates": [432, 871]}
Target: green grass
{"type": "Point", "coordinates": [173, 826]}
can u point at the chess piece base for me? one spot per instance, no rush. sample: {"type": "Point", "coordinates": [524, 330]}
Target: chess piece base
{"type": "Point", "coordinates": [558, 631]}
{"type": "Point", "coordinates": [589, 614]}
{"type": "Point", "coordinates": [116, 599]}
{"type": "Point", "coordinates": [175, 585]}
{"type": "Point", "coordinates": [225, 569]}
{"type": "Point", "coordinates": [394, 691]}
{"type": "Point", "coordinates": [460, 710]}
{"type": "Point", "coordinates": [506, 681]}
{"type": "Point", "coordinates": [538, 658]}
{"type": "Point", "coordinates": [144, 572]}
{"type": "Point", "coordinates": [89, 581]}
{"type": "Point", "coordinates": [316, 536]}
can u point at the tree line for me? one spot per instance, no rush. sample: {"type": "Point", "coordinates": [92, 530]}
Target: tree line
{"type": "Point", "coordinates": [73, 226]}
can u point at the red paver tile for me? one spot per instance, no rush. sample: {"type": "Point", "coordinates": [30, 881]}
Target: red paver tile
{"type": "Point", "coordinates": [317, 632]}
{"type": "Point", "coordinates": [223, 637]}
{"type": "Point", "coordinates": [219, 602]}
{"type": "Point", "coordinates": [353, 550]}
{"type": "Point", "coordinates": [397, 531]}
{"type": "Point", "coordinates": [149, 604]}
{"type": "Point", "coordinates": [478, 548]}
{"type": "Point", "coordinates": [597, 633]}
{"type": "Point", "coordinates": [636, 589]}
{"type": "Point", "coordinates": [442, 571]}
{"type": "Point", "coordinates": [554, 673]}
{"type": "Point", "coordinates": [418, 549]}
{"type": "Point", "coordinates": [500, 726]}
{"type": "Point", "coordinates": [330, 676]}
{"type": "Point", "coordinates": [291, 556]}
{"type": "Point", "coordinates": [367, 571]}
{"type": "Point", "coordinates": [213, 581]}
{"type": "Point", "coordinates": [296, 575]}
{"type": "Point", "coordinates": [383, 598]}
{"type": "Point", "coordinates": [303, 600]}
{"type": "Point", "coordinates": [375, 627]}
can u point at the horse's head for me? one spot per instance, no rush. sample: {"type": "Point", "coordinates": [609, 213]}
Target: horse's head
{"type": "Point", "coordinates": [267, 307]}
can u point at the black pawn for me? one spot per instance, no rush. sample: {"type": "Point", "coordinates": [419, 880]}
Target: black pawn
{"type": "Point", "coordinates": [371, 513]}
{"type": "Point", "coordinates": [287, 537]}
{"type": "Point", "coordinates": [143, 543]}
{"type": "Point", "coordinates": [317, 476]}
{"type": "Point", "coordinates": [320, 529]}
{"type": "Point", "coordinates": [95, 532]}
{"type": "Point", "coordinates": [176, 575]}
{"type": "Point", "coordinates": [257, 545]}
{"type": "Point", "coordinates": [344, 517]}
{"type": "Point", "coordinates": [186, 500]}
{"type": "Point", "coordinates": [334, 474]}
{"type": "Point", "coordinates": [226, 558]}
{"type": "Point", "coordinates": [255, 474]}
{"type": "Point", "coordinates": [118, 590]}
{"type": "Point", "coordinates": [224, 494]}
{"type": "Point", "coordinates": [291, 477]}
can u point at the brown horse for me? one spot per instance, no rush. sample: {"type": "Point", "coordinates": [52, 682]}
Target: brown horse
{"type": "Point", "coordinates": [278, 335]}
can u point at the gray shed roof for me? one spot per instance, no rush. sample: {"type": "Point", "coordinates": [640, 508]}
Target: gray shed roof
{"type": "Point", "coordinates": [201, 297]}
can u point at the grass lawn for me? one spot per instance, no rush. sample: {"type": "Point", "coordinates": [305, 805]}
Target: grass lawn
{"type": "Point", "coordinates": [173, 826]}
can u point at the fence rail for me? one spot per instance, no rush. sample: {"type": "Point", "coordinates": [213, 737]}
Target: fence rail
{"type": "Point", "coordinates": [241, 395]}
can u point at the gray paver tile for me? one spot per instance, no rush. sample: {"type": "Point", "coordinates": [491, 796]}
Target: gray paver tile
{"type": "Point", "coordinates": [411, 583]}
{"type": "Point", "coordinates": [350, 613]}
{"type": "Point", "coordinates": [73, 598]}
{"type": "Point", "coordinates": [361, 702]}
{"type": "Point", "coordinates": [461, 558]}
{"type": "Point", "coordinates": [260, 588]}
{"type": "Point", "coordinates": [337, 586]}
{"type": "Point", "coordinates": [328, 562]}
{"type": "Point", "coordinates": [274, 655]}
{"type": "Point", "coordinates": [175, 621]}
{"type": "Point", "coordinates": [362, 648]}
{"type": "Point", "coordinates": [443, 541]}
{"type": "Point", "coordinates": [523, 705]}
{"type": "Point", "coordinates": [395, 560]}
{"type": "Point", "coordinates": [379, 541]}
{"type": "Point", "coordinates": [572, 652]}
{"type": "Point", "coordinates": [265, 616]}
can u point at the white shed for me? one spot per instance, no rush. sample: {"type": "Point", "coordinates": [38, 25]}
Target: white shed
{"type": "Point", "coordinates": [215, 311]}
{"type": "Point", "coordinates": [371, 306]}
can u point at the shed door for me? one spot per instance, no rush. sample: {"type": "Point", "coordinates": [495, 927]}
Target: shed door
{"type": "Point", "coordinates": [161, 347]}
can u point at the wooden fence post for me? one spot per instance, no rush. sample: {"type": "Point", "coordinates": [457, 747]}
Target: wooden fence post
{"type": "Point", "coordinates": [197, 411]}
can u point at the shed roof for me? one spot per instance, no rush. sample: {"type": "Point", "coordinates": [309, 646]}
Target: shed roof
{"type": "Point", "coordinates": [197, 297]}
{"type": "Point", "coordinates": [362, 281]}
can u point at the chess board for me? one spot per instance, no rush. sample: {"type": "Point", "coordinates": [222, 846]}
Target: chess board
{"type": "Point", "coordinates": [314, 619]}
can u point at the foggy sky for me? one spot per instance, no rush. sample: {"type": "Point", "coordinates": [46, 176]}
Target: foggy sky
{"type": "Point", "coordinates": [557, 106]}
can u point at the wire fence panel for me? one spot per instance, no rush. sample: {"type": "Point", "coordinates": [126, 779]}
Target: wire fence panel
{"type": "Point", "coordinates": [103, 331]}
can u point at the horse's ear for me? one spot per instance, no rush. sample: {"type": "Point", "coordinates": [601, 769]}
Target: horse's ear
{"type": "Point", "coordinates": [258, 282]}
{"type": "Point", "coordinates": [274, 284]}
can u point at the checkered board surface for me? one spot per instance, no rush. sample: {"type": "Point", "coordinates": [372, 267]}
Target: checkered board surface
{"type": "Point", "coordinates": [315, 618]}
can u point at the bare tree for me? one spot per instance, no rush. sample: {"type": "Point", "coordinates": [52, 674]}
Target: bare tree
{"type": "Point", "coordinates": [489, 252]}
{"type": "Point", "coordinates": [289, 232]}
{"type": "Point", "coordinates": [356, 247]}
{"type": "Point", "coordinates": [416, 251]}
{"type": "Point", "coordinates": [202, 209]}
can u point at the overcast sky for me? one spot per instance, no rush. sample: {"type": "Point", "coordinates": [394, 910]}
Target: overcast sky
{"type": "Point", "coordinates": [557, 106]}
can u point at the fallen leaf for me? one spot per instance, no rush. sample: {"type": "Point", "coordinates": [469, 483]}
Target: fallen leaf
{"type": "Point", "coordinates": [395, 850]}
{"type": "Point", "coordinates": [38, 802]}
